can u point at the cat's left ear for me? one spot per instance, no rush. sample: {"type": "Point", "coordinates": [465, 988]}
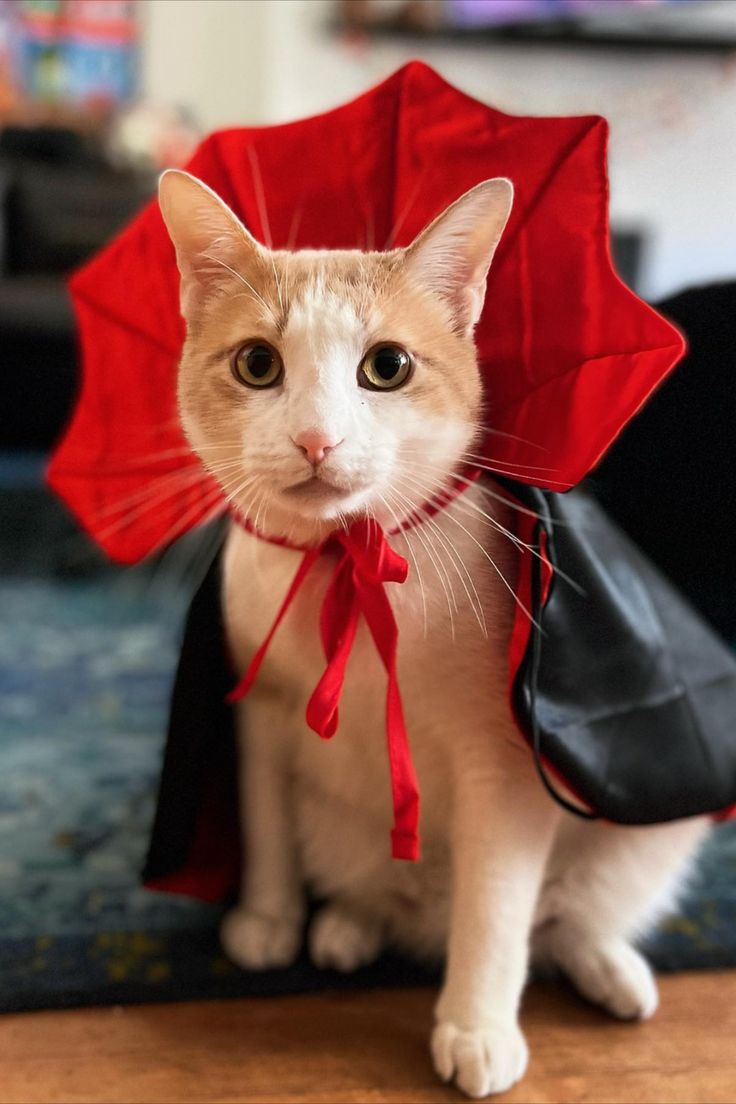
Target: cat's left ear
{"type": "Point", "coordinates": [453, 255]}
{"type": "Point", "coordinates": [212, 246]}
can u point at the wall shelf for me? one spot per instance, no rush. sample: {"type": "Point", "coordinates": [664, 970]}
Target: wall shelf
{"type": "Point", "coordinates": [564, 33]}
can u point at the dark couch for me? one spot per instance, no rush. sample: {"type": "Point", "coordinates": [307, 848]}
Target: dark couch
{"type": "Point", "coordinates": [59, 202]}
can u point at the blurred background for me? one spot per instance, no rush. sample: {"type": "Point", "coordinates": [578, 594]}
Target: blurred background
{"type": "Point", "coordinates": [96, 97]}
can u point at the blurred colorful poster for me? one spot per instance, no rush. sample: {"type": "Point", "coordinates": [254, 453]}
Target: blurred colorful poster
{"type": "Point", "coordinates": [78, 51]}
{"type": "Point", "coordinates": [100, 49]}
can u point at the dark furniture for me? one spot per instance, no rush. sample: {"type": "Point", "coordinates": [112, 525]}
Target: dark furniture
{"type": "Point", "coordinates": [59, 202]}
{"type": "Point", "coordinates": [670, 478]}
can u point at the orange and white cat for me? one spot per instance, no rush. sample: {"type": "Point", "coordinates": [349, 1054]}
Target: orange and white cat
{"type": "Point", "coordinates": [319, 387]}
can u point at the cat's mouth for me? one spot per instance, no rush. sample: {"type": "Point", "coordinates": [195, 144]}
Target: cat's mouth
{"type": "Point", "coordinates": [316, 488]}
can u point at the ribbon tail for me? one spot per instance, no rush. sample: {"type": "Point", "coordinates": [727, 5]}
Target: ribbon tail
{"type": "Point", "coordinates": [404, 785]}
{"type": "Point", "coordinates": [245, 683]}
{"type": "Point", "coordinates": [379, 614]}
{"type": "Point", "coordinates": [338, 625]}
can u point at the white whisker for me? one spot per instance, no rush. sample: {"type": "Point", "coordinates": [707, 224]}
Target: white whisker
{"type": "Point", "coordinates": [182, 523]}
{"type": "Point", "coordinates": [516, 475]}
{"type": "Point", "coordinates": [158, 496]}
{"type": "Point", "coordinates": [296, 219]}
{"type": "Point", "coordinates": [404, 533]}
{"type": "Point", "coordinates": [473, 456]}
{"type": "Point", "coordinates": [470, 508]}
{"type": "Point", "coordinates": [439, 567]}
{"type": "Point", "coordinates": [183, 476]}
{"type": "Point", "coordinates": [255, 171]}
{"type": "Point", "coordinates": [455, 558]}
{"type": "Point", "coordinates": [448, 512]}
{"type": "Point", "coordinates": [484, 489]}
{"type": "Point", "coordinates": [405, 211]}
{"type": "Point", "coordinates": [484, 429]}
{"type": "Point", "coordinates": [259, 298]}
{"type": "Point", "coordinates": [370, 231]}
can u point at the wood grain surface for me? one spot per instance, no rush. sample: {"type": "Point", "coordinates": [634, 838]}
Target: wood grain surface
{"type": "Point", "coordinates": [367, 1048]}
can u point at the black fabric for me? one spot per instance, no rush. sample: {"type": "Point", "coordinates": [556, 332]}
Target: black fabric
{"type": "Point", "coordinates": [629, 695]}
{"type": "Point", "coordinates": [625, 693]}
{"type": "Point", "coordinates": [199, 769]}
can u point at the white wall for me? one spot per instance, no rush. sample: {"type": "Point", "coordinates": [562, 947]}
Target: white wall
{"type": "Point", "coordinates": [207, 55]}
{"type": "Point", "coordinates": [673, 117]}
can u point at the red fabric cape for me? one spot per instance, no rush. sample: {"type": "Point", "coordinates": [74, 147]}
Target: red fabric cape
{"type": "Point", "coordinates": [568, 353]}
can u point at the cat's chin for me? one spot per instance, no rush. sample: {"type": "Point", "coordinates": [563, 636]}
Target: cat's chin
{"type": "Point", "coordinates": [316, 491]}
{"type": "Point", "coordinates": [311, 513]}
{"type": "Point", "coordinates": [320, 501]}
{"type": "Point", "coordinates": [329, 510]}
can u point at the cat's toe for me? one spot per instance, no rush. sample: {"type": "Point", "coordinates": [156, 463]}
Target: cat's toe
{"type": "Point", "coordinates": [482, 1061]}
{"type": "Point", "coordinates": [343, 939]}
{"type": "Point", "coordinates": [613, 975]}
{"type": "Point", "coordinates": [258, 942]}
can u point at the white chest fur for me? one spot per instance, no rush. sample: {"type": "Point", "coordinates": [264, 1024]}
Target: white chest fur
{"type": "Point", "coordinates": [453, 682]}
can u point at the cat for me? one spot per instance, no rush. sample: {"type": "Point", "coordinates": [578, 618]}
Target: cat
{"type": "Point", "coordinates": [320, 387]}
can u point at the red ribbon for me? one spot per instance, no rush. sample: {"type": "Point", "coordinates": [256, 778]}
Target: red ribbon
{"type": "Point", "coordinates": [365, 562]}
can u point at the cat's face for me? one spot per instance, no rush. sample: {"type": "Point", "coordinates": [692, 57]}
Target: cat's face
{"type": "Point", "coordinates": [319, 386]}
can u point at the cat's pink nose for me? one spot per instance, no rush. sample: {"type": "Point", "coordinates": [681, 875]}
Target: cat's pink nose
{"type": "Point", "coordinates": [315, 445]}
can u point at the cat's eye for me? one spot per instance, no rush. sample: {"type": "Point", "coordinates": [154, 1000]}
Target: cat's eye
{"type": "Point", "coordinates": [385, 368]}
{"type": "Point", "coordinates": [257, 364]}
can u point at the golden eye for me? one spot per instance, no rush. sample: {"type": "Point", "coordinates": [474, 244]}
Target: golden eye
{"type": "Point", "coordinates": [257, 364]}
{"type": "Point", "coordinates": [385, 368]}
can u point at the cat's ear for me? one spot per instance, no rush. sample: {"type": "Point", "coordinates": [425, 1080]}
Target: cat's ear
{"type": "Point", "coordinates": [212, 245]}
{"type": "Point", "coordinates": [453, 255]}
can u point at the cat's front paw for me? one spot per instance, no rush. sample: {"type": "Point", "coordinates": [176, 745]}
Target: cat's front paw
{"type": "Point", "coordinates": [481, 1061]}
{"type": "Point", "coordinates": [344, 939]}
{"type": "Point", "coordinates": [255, 941]}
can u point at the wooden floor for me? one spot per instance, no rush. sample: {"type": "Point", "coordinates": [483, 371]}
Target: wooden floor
{"type": "Point", "coordinates": [366, 1048]}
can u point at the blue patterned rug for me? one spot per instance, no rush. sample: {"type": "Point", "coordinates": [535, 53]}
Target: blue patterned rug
{"type": "Point", "coordinates": [87, 655]}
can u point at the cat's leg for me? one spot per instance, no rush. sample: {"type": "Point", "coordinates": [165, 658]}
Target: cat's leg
{"type": "Point", "coordinates": [503, 827]}
{"type": "Point", "coordinates": [606, 885]}
{"type": "Point", "coordinates": [265, 929]}
{"type": "Point", "coordinates": [345, 934]}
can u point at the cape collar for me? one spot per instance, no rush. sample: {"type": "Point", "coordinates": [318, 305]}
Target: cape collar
{"type": "Point", "coordinates": [365, 563]}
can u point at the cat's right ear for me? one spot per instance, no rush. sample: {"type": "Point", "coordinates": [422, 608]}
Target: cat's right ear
{"type": "Point", "coordinates": [212, 246]}
{"type": "Point", "coordinates": [453, 254]}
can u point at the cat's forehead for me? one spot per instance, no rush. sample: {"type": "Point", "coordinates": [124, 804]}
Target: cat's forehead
{"type": "Point", "coordinates": [329, 291]}
{"type": "Point", "coordinates": [324, 323]}
{"type": "Point", "coordinates": [321, 305]}
{"type": "Point", "coordinates": [336, 264]}
{"type": "Point", "coordinates": [340, 270]}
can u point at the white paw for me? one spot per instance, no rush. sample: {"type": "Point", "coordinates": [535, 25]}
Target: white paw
{"type": "Point", "coordinates": [343, 939]}
{"type": "Point", "coordinates": [613, 975]}
{"type": "Point", "coordinates": [258, 942]}
{"type": "Point", "coordinates": [484, 1061]}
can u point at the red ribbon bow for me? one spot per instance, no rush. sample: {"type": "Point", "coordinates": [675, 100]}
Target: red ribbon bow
{"type": "Point", "coordinates": [366, 562]}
